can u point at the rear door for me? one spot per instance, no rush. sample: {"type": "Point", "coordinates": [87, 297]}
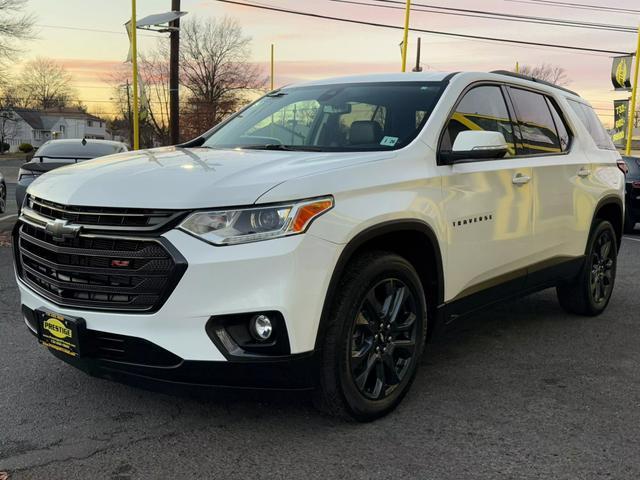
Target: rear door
{"type": "Point", "coordinates": [487, 203]}
{"type": "Point", "coordinates": [544, 137]}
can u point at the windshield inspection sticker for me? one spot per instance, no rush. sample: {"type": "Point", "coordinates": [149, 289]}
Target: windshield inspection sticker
{"type": "Point", "coordinates": [389, 141]}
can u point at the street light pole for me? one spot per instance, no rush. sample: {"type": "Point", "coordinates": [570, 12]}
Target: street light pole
{"type": "Point", "coordinates": [272, 67]}
{"type": "Point", "coordinates": [405, 41]}
{"type": "Point", "coordinates": [174, 76]}
{"type": "Point", "coordinates": [134, 61]}
{"type": "Point", "coordinates": [634, 94]}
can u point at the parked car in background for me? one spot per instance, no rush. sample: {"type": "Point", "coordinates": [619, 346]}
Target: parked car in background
{"type": "Point", "coordinates": [632, 193]}
{"type": "Point", "coordinates": [3, 194]}
{"type": "Point", "coordinates": [58, 153]}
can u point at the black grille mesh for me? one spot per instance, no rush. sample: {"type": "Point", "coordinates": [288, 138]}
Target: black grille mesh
{"type": "Point", "coordinates": [93, 272]}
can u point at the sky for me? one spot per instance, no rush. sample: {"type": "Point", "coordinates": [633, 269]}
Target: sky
{"type": "Point", "coordinates": [88, 38]}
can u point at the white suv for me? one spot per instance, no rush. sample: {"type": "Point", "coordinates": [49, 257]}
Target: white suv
{"type": "Point", "coordinates": [313, 239]}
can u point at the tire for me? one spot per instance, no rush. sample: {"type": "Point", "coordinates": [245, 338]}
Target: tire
{"type": "Point", "coordinates": [365, 374]}
{"type": "Point", "coordinates": [591, 291]}
{"type": "Point", "coordinates": [3, 197]}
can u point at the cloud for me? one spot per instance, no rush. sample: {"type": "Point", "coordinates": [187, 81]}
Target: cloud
{"type": "Point", "coordinates": [90, 71]}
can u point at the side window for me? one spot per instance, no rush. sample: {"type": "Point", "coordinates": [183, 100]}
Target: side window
{"type": "Point", "coordinates": [561, 126]}
{"type": "Point", "coordinates": [591, 122]}
{"type": "Point", "coordinates": [482, 108]}
{"type": "Point", "coordinates": [537, 128]}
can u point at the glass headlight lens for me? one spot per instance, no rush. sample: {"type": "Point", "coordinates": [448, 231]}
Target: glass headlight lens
{"type": "Point", "coordinates": [230, 227]}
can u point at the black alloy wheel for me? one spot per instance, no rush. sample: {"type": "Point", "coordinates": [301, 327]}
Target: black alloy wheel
{"type": "Point", "coordinates": [602, 263]}
{"type": "Point", "coordinates": [375, 337]}
{"type": "Point", "coordinates": [589, 293]}
{"type": "Point", "coordinates": [383, 339]}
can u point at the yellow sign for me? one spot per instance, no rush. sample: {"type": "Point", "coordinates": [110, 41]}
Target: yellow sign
{"type": "Point", "coordinates": [56, 328]}
{"type": "Point", "coordinates": [622, 73]}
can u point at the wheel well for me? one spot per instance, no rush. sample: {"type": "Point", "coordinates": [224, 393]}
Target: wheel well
{"type": "Point", "coordinates": [612, 212]}
{"type": "Point", "coordinates": [418, 249]}
{"type": "Point", "coordinates": [415, 242]}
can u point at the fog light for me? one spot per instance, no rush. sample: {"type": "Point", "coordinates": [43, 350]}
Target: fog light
{"type": "Point", "coordinates": [261, 327]}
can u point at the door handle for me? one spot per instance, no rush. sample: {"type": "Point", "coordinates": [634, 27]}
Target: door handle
{"type": "Point", "coordinates": [520, 179]}
{"type": "Point", "coordinates": [584, 172]}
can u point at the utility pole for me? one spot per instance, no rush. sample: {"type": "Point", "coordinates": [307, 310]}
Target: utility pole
{"type": "Point", "coordinates": [418, 68]}
{"type": "Point", "coordinates": [174, 76]}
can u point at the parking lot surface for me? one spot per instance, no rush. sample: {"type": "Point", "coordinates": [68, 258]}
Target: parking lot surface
{"type": "Point", "coordinates": [520, 391]}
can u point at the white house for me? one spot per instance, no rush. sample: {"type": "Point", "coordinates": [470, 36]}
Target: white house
{"type": "Point", "coordinates": [21, 125]}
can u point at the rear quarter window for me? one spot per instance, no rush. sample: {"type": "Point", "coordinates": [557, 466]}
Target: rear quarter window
{"type": "Point", "coordinates": [593, 125]}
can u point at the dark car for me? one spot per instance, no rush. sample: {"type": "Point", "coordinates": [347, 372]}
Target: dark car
{"type": "Point", "coordinates": [58, 153]}
{"type": "Point", "coordinates": [632, 193]}
{"type": "Point", "coordinates": [3, 194]}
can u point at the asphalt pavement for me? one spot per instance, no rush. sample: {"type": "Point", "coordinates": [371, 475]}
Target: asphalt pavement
{"type": "Point", "coordinates": [521, 391]}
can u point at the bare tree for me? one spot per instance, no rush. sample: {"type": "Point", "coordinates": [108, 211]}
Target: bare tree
{"type": "Point", "coordinates": [216, 72]}
{"type": "Point", "coordinates": [8, 122]}
{"type": "Point", "coordinates": [45, 84]}
{"type": "Point", "coordinates": [154, 116]}
{"type": "Point", "coordinates": [15, 26]}
{"type": "Point", "coordinates": [548, 73]}
{"type": "Point", "coordinates": [154, 70]}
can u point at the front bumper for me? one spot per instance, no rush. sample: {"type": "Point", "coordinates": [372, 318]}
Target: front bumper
{"type": "Point", "coordinates": [154, 367]}
{"type": "Point", "coordinates": [288, 275]}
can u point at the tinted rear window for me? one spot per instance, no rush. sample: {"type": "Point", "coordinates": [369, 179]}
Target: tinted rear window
{"type": "Point", "coordinates": [73, 150]}
{"type": "Point", "coordinates": [592, 123]}
{"type": "Point", "coordinates": [537, 127]}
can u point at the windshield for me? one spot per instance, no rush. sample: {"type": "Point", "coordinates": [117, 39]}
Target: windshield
{"type": "Point", "coordinates": [78, 150]}
{"type": "Point", "coordinates": [349, 117]}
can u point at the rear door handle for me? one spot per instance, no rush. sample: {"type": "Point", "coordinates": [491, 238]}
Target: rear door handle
{"type": "Point", "coordinates": [520, 179]}
{"type": "Point", "coordinates": [584, 172]}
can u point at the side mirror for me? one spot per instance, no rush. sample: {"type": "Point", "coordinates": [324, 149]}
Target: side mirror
{"type": "Point", "coordinates": [476, 145]}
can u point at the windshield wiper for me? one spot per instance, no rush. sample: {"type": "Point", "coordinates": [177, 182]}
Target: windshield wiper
{"type": "Point", "coordinates": [278, 146]}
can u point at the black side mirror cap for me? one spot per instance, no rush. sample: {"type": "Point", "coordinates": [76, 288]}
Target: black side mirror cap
{"type": "Point", "coordinates": [448, 157]}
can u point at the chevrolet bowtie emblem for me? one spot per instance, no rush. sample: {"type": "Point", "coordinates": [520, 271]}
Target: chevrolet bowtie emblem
{"type": "Point", "coordinates": [61, 230]}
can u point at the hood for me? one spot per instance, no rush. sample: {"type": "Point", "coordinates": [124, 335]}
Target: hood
{"type": "Point", "coordinates": [185, 178]}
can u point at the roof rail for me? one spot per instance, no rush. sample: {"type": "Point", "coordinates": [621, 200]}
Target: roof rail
{"type": "Point", "coordinates": [533, 79]}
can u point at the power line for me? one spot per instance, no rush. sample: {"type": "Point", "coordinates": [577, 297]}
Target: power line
{"type": "Point", "coordinates": [506, 16]}
{"type": "Point", "coordinates": [93, 30]}
{"type": "Point", "coordinates": [577, 6]}
{"type": "Point", "coordinates": [432, 32]}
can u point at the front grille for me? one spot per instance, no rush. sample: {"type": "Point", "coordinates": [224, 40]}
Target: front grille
{"type": "Point", "coordinates": [97, 272]}
{"type": "Point", "coordinates": [104, 218]}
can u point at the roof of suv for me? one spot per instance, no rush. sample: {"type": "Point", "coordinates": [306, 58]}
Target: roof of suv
{"type": "Point", "coordinates": [498, 75]}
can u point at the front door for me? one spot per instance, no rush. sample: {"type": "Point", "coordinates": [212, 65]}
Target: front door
{"type": "Point", "coordinates": [487, 203]}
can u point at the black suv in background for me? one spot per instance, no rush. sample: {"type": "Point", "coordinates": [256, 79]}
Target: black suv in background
{"type": "Point", "coordinates": [59, 153]}
{"type": "Point", "coordinates": [632, 194]}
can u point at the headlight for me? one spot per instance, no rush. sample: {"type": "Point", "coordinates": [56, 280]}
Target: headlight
{"type": "Point", "coordinates": [230, 227]}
